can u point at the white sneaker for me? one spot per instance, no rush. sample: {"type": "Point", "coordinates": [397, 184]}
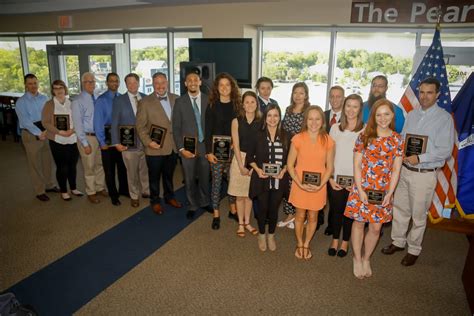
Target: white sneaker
{"type": "Point", "coordinates": [283, 223]}
{"type": "Point", "coordinates": [291, 225]}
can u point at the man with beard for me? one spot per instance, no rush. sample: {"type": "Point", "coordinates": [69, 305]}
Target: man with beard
{"type": "Point", "coordinates": [155, 112]}
{"type": "Point", "coordinates": [189, 121]}
{"type": "Point", "coordinates": [378, 90]}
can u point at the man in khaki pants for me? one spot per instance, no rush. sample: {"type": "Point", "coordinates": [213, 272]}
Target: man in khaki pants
{"type": "Point", "coordinates": [28, 109]}
{"type": "Point", "coordinates": [418, 176]}
{"type": "Point", "coordinates": [83, 118]}
{"type": "Point", "coordinates": [124, 111]}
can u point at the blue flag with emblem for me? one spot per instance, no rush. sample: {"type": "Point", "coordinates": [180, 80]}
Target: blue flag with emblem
{"type": "Point", "coordinates": [463, 110]}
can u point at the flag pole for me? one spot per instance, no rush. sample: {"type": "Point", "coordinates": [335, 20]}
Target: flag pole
{"type": "Point", "coordinates": [438, 22]}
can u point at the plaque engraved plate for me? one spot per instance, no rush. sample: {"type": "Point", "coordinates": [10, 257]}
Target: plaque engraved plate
{"type": "Point", "coordinates": [221, 147]}
{"type": "Point", "coordinates": [313, 178]}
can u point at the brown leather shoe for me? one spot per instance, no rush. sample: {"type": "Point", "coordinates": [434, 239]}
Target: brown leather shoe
{"type": "Point", "coordinates": [409, 260]}
{"type": "Point", "coordinates": [42, 197]}
{"type": "Point", "coordinates": [157, 209]}
{"type": "Point", "coordinates": [174, 203]}
{"type": "Point", "coordinates": [93, 198]}
{"type": "Point", "coordinates": [103, 193]}
{"type": "Point", "coordinates": [134, 203]}
{"type": "Point", "coordinates": [390, 250]}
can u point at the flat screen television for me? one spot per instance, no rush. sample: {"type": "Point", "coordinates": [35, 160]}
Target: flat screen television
{"type": "Point", "coordinates": [231, 55]}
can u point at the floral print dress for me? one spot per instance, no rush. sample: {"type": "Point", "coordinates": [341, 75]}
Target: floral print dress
{"type": "Point", "coordinates": [292, 124]}
{"type": "Point", "coordinates": [377, 165]}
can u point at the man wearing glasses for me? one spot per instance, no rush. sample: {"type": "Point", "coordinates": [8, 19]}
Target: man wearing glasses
{"type": "Point", "coordinates": [83, 118]}
{"type": "Point", "coordinates": [378, 90]}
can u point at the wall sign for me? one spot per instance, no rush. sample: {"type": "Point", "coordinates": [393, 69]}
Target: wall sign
{"type": "Point", "coordinates": [419, 12]}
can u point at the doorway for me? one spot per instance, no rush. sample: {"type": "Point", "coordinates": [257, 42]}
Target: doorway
{"type": "Point", "coordinates": [69, 62]}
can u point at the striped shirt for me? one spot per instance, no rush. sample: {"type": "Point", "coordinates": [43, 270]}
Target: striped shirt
{"type": "Point", "coordinates": [275, 155]}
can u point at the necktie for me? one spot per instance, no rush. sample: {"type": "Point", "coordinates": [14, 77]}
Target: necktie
{"type": "Point", "coordinates": [163, 98]}
{"type": "Point", "coordinates": [333, 120]}
{"type": "Point", "coordinates": [197, 116]}
{"type": "Point", "coordinates": [136, 99]}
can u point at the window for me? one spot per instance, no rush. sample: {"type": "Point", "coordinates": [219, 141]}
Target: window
{"type": "Point", "coordinates": [148, 56]}
{"type": "Point", "coordinates": [38, 60]}
{"type": "Point", "coordinates": [292, 56]}
{"type": "Point", "coordinates": [362, 56]}
{"type": "Point", "coordinates": [181, 53]}
{"type": "Point", "coordinates": [11, 70]}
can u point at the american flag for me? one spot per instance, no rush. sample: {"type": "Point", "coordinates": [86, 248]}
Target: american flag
{"type": "Point", "coordinates": [433, 65]}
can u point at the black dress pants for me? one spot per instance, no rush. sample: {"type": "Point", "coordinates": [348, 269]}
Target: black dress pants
{"type": "Point", "coordinates": [111, 161]}
{"type": "Point", "coordinates": [268, 205]}
{"type": "Point", "coordinates": [337, 204]}
{"type": "Point", "coordinates": [65, 157]}
{"type": "Point", "coordinates": [161, 167]}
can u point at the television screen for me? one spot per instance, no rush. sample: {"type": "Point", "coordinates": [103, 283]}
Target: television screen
{"type": "Point", "coordinates": [231, 55]}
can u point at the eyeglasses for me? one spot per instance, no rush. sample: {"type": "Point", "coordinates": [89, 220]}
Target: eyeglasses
{"type": "Point", "coordinates": [58, 88]}
{"type": "Point", "coordinates": [89, 81]}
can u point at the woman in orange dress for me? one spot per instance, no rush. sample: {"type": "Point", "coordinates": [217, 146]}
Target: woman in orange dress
{"type": "Point", "coordinates": [377, 162]}
{"type": "Point", "coordinates": [311, 150]}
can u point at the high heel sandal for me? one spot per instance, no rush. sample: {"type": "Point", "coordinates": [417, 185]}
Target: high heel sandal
{"type": "Point", "coordinates": [285, 223]}
{"type": "Point", "coordinates": [239, 232]}
{"type": "Point", "coordinates": [251, 230]}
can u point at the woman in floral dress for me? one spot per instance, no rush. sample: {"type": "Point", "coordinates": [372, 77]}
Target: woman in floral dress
{"type": "Point", "coordinates": [377, 162]}
{"type": "Point", "coordinates": [292, 123]}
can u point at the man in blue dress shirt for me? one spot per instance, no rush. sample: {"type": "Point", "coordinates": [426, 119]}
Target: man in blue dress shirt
{"type": "Point", "coordinates": [28, 109]}
{"type": "Point", "coordinates": [418, 176]}
{"type": "Point", "coordinates": [111, 157]}
{"type": "Point", "coordinates": [83, 118]}
{"type": "Point", "coordinates": [378, 90]}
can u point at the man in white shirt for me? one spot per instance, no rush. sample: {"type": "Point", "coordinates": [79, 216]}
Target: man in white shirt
{"type": "Point", "coordinates": [332, 116]}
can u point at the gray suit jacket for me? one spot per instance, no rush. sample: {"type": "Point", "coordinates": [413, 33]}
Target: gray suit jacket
{"type": "Point", "coordinates": [184, 122]}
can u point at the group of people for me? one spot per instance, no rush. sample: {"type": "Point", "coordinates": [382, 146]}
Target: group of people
{"type": "Point", "coordinates": [351, 157]}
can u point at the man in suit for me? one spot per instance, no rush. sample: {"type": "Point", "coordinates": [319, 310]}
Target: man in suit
{"type": "Point", "coordinates": [155, 110]}
{"type": "Point", "coordinates": [332, 116]}
{"type": "Point", "coordinates": [124, 111]}
{"type": "Point", "coordinates": [29, 108]}
{"type": "Point", "coordinates": [189, 120]}
{"type": "Point", "coordinates": [264, 88]}
{"type": "Point", "coordinates": [111, 157]}
{"type": "Point", "coordinates": [83, 117]}
{"type": "Point", "coordinates": [378, 90]}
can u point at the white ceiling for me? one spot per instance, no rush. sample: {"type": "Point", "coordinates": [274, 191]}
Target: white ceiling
{"type": "Point", "coordinates": [10, 7]}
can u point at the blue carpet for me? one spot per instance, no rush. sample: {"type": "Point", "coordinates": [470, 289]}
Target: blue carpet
{"type": "Point", "coordinates": [67, 284]}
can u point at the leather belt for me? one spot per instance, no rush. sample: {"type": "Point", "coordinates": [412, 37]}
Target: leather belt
{"type": "Point", "coordinates": [418, 169]}
{"type": "Point", "coordinates": [90, 134]}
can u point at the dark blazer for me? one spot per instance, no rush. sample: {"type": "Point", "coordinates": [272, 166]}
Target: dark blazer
{"type": "Point", "coordinates": [327, 118]}
{"type": "Point", "coordinates": [184, 122]}
{"type": "Point", "coordinates": [258, 153]}
{"type": "Point", "coordinates": [262, 104]}
{"type": "Point", "coordinates": [122, 114]}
